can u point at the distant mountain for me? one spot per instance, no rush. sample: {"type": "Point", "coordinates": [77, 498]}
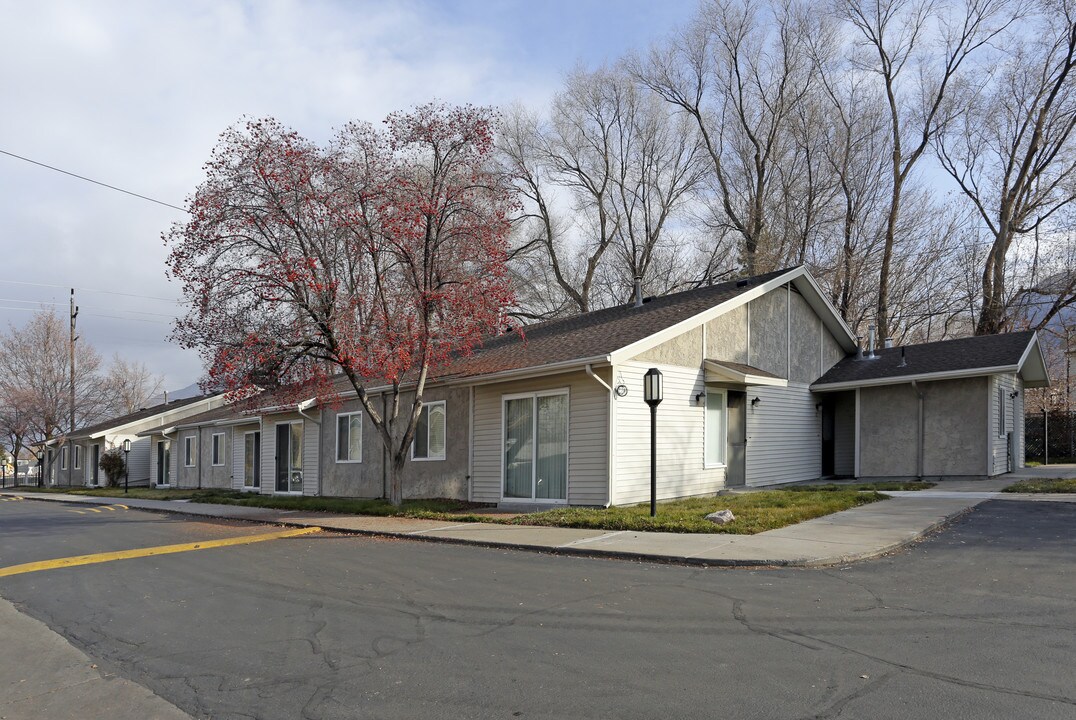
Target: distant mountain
{"type": "Point", "coordinates": [190, 391]}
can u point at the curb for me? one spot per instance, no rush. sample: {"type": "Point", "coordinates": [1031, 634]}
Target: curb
{"type": "Point", "coordinates": [568, 551]}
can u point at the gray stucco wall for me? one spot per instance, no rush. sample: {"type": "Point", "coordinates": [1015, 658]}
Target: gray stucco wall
{"type": "Point", "coordinates": [430, 478]}
{"type": "Point", "coordinates": [888, 429]}
{"type": "Point", "coordinates": [685, 350]}
{"type": "Point", "coordinates": [806, 343]}
{"type": "Point", "coordinates": [955, 432]}
{"type": "Point", "coordinates": [726, 336]}
{"type": "Point", "coordinates": [954, 419]}
{"type": "Point", "coordinates": [768, 347]}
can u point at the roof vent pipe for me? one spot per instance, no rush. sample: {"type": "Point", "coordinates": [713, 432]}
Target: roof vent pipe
{"type": "Point", "coordinates": [903, 360]}
{"type": "Point", "coordinates": [165, 397]}
{"type": "Point", "coordinates": [870, 341]}
{"type": "Point", "coordinates": [638, 291]}
{"type": "Point", "coordinates": [888, 343]}
{"type": "Point", "coordinates": [859, 347]}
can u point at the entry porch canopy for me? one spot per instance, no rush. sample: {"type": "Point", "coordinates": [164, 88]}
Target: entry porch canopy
{"type": "Point", "coordinates": [732, 373]}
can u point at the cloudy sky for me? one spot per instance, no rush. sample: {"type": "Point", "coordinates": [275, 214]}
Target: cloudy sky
{"type": "Point", "coordinates": [134, 94]}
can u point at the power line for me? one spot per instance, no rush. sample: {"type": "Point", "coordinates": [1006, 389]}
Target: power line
{"type": "Point", "coordinates": [92, 314]}
{"type": "Point", "coordinates": [90, 308]}
{"type": "Point", "coordinates": [105, 292]}
{"type": "Point", "coordinates": [95, 182]}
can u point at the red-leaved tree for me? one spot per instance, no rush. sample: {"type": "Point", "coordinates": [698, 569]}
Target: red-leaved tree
{"type": "Point", "coordinates": [364, 265]}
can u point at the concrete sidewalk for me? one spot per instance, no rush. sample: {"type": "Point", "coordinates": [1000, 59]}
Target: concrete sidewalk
{"type": "Point", "coordinates": [856, 534]}
{"type": "Point", "coordinates": [43, 676]}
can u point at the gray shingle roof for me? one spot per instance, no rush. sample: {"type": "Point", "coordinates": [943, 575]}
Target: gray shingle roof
{"type": "Point", "coordinates": [597, 333]}
{"type": "Point", "coordinates": [143, 414]}
{"type": "Point", "coordinates": [944, 356]}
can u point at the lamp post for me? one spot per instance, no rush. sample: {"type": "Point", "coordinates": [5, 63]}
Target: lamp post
{"type": "Point", "coordinates": [126, 467]}
{"type": "Point", "coordinates": [652, 393]}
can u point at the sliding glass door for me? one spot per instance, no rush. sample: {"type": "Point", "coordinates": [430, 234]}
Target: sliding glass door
{"type": "Point", "coordinates": [536, 446]}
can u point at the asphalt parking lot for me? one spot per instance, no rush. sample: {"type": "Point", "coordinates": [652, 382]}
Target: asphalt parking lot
{"type": "Point", "coordinates": [978, 621]}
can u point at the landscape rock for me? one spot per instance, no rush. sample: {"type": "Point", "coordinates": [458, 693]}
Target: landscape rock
{"type": "Point", "coordinates": [721, 517]}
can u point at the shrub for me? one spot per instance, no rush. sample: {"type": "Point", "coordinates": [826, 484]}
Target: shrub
{"type": "Point", "coordinates": [113, 465]}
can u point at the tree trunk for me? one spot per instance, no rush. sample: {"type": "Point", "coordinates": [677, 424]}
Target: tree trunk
{"type": "Point", "coordinates": [883, 319]}
{"type": "Point", "coordinates": [396, 478]}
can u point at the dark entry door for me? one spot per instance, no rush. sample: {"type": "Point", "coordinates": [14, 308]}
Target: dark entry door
{"type": "Point", "coordinates": [829, 446]}
{"type": "Point", "coordinates": [95, 465]}
{"type": "Point", "coordinates": [736, 472]}
{"type": "Point", "coordinates": [283, 456]}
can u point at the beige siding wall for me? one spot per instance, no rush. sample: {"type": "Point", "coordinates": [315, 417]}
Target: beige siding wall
{"type": "Point", "coordinates": [588, 439]}
{"type": "Point", "coordinates": [1018, 413]}
{"type": "Point", "coordinates": [311, 449]}
{"type": "Point", "coordinates": [999, 427]}
{"type": "Point", "coordinates": [681, 438]}
{"type": "Point", "coordinates": [421, 478]}
{"type": "Point", "coordinates": [832, 352]}
{"type": "Point", "coordinates": [237, 443]}
{"type": "Point", "coordinates": [784, 435]}
{"type": "Point", "coordinates": [887, 427]}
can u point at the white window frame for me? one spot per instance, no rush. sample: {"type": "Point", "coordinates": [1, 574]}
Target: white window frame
{"type": "Point", "coordinates": [190, 451]}
{"type": "Point", "coordinates": [427, 408]}
{"type": "Point", "coordinates": [78, 457]}
{"type": "Point", "coordinates": [63, 457]}
{"type": "Point", "coordinates": [216, 459]}
{"type": "Point", "coordinates": [566, 391]}
{"type": "Point", "coordinates": [724, 442]}
{"type": "Point", "coordinates": [336, 455]}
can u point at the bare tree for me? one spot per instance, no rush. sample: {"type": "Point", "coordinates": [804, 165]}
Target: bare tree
{"type": "Point", "coordinates": [128, 385]}
{"type": "Point", "coordinates": [919, 52]}
{"type": "Point", "coordinates": [35, 369]}
{"type": "Point", "coordinates": [740, 71]}
{"type": "Point", "coordinates": [1012, 152]}
{"type": "Point", "coordinates": [602, 181]}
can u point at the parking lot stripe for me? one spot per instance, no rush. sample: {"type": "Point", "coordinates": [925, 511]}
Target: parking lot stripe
{"type": "Point", "coordinates": [150, 551]}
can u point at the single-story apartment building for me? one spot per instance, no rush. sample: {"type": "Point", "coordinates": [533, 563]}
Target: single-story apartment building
{"type": "Point", "coordinates": [764, 384]}
{"type": "Point", "coordinates": [75, 459]}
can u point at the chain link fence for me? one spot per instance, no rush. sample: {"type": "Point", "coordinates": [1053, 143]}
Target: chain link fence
{"type": "Point", "coordinates": [1056, 428]}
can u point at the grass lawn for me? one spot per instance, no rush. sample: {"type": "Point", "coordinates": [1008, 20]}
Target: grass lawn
{"type": "Point", "coordinates": [755, 511]}
{"type": "Point", "coordinates": [1043, 485]}
{"type": "Point", "coordinates": [1053, 461]}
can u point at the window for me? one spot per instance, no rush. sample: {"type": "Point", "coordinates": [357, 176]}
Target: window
{"type": "Point", "coordinates": [63, 458]}
{"type": "Point", "coordinates": [78, 457]}
{"type": "Point", "coordinates": [349, 437]}
{"type": "Point", "coordinates": [716, 427]}
{"type": "Point", "coordinates": [189, 446]}
{"type": "Point", "coordinates": [429, 441]}
{"type": "Point", "coordinates": [218, 448]}
{"type": "Point", "coordinates": [535, 459]}
{"type": "Point", "coordinates": [1001, 411]}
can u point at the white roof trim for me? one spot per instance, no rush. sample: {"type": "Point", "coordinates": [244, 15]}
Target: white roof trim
{"type": "Point", "coordinates": [716, 372]}
{"type": "Point", "coordinates": [814, 298]}
{"type": "Point", "coordinates": [920, 377]}
{"type": "Point", "coordinates": [189, 406]}
{"type": "Point", "coordinates": [1041, 362]}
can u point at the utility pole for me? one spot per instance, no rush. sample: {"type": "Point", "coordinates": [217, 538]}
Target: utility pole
{"type": "Point", "coordinates": [71, 429]}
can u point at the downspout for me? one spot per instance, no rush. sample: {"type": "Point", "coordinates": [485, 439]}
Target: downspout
{"type": "Point", "coordinates": [919, 431]}
{"type": "Point", "coordinates": [201, 460]}
{"type": "Point", "coordinates": [470, 444]}
{"type": "Point", "coordinates": [611, 428]}
{"type": "Point", "coordinates": [301, 409]}
{"type": "Point", "coordinates": [384, 450]}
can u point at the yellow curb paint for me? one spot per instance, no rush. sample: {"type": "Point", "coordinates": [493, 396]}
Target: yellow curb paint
{"type": "Point", "coordinates": [124, 507]}
{"type": "Point", "coordinates": [109, 507]}
{"type": "Point", "coordinates": [93, 510]}
{"type": "Point", "coordinates": [150, 551]}
{"type": "Point", "coordinates": [77, 511]}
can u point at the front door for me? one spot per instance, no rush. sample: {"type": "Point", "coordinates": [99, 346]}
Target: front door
{"type": "Point", "coordinates": [829, 443]}
{"type": "Point", "coordinates": [162, 462]}
{"type": "Point", "coordinates": [536, 447]}
{"type": "Point", "coordinates": [252, 463]}
{"type": "Point", "coordinates": [95, 464]}
{"type": "Point", "coordinates": [289, 457]}
{"type": "Point", "coordinates": [736, 472]}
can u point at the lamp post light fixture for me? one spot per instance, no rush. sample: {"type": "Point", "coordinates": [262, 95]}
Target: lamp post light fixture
{"type": "Point", "coordinates": [126, 467]}
{"type": "Point", "coordinates": [653, 395]}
